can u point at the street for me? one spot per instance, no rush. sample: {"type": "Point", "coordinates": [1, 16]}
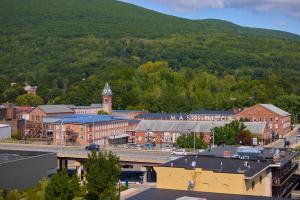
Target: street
{"type": "Point", "coordinates": [292, 138]}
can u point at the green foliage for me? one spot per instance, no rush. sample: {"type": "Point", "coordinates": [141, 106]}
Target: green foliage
{"type": "Point", "coordinates": [62, 187]}
{"type": "Point", "coordinates": [16, 135]}
{"type": "Point", "coordinates": [232, 134]}
{"type": "Point", "coordinates": [102, 173]}
{"type": "Point", "coordinates": [102, 112]}
{"type": "Point", "coordinates": [29, 100]}
{"type": "Point", "coordinates": [69, 50]}
{"type": "Point", "coordinates": [187, 141]}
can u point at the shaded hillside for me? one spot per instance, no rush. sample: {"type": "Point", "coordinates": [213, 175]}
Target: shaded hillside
{"type": "Point", "coordinates": [70, 47]}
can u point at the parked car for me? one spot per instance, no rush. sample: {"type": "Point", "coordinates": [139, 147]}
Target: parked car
{"type": "Point", "coordinates": [179, 152]}
{"type": "Point", "coordinates": [131, 146]}
{"type": "Point", "coordinates": [92, 147]}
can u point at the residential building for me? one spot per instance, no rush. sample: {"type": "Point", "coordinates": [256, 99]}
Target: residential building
{"type": "Point", "coordinates": [167, 131]}
{"type": "Point", "coordinates": [30, 89]}
{"type": "Point", "coordinates": [5, 131]}
{"type": "Point", "coordinates": [85, 129]}
{"type": "Point", "coordinates": [232, 170]}
{"type": "Point", "coordinates": [23, 112]}
{"type": "Point", "coordinates": [278, 120]}
{"type": "Point", "coordinates": [27, 167]}
{"type": "Point", "coordinates": [8, 115]}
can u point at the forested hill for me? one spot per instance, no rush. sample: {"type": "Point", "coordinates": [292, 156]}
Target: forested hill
{"type": "Point", "coordinates": [69, 48]}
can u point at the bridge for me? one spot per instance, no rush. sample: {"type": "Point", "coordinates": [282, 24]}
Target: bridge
{"type": "Point", "coordinates": [136, 160]}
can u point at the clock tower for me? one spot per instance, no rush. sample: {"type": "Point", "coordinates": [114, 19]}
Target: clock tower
{"type": "Point", "coordinates": [107, 98]}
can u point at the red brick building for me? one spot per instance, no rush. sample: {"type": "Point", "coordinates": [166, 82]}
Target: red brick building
{"type": "Point", "coordinates": [278, 120]}
{"type": "Point", "coordinates": [37, 114]}
{"type": "Point", "coordinates": [86, 129]}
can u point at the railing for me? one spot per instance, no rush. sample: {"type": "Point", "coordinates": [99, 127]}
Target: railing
{"type": "Point", "coordinates": [279, 181]}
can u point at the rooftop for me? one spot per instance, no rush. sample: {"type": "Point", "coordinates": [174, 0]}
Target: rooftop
{"type": "Point", "coordinates": [166, 194]}
{"type": "Point", "coordinates": [80, 119]}
{"type": "Point", "coordinates": [11, 155]}
{"type": "Point", "coordinates": [219, 165]}
{"type": "Point", "coordinates": [56, 108]}
{"type": "Point", "coordinates": [254, 153]}
{"type": "Point", "coordinates": [275, 109]}
{"type": "Point", "coordinates": [194, 126]}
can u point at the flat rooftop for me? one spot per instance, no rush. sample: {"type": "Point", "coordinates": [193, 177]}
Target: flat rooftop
{"type": "Point", "coordinates": [220, 165]}
{"type": "Point", "coordinates": [11, 155]}
{"type": "Point", "coordinates": [166, 194]}
{"type": "Point", "coordinates": [257, 153]}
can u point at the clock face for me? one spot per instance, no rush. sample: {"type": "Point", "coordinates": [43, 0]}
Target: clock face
{"type": "Point", "coordinates": [105, 91]}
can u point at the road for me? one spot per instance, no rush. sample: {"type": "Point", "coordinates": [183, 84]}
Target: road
{"type": "Point", "coordinates": [292, 138]}
{"type": "Point", "coordinates": [124, 154]}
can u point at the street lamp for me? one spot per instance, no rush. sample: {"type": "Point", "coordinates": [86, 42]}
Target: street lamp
{"type": "Point", "coordinates": [233, 99]}
{"type": "Point", "coordinates": [189, 131]}
{"type": "Point", "coordinates": [61, 135]}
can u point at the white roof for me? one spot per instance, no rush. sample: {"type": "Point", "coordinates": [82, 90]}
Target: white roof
{"type": "Point", "coordinates": [4, 125]}
{"type": "Point", "coordinates": [256, 127]}
{"type": "Point", "coordinates": [193, 126]}
{"type": "Point", "coordinates": [275, 109]}
{"type": "Point", "coordinates": [179, 126]}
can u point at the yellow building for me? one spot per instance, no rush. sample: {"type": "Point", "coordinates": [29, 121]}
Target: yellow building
{"type": "Point", "coordinates": [217, 175]}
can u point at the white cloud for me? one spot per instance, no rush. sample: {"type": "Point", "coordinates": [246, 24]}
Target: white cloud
{"type": "Point", "coordinates": [288, 7]}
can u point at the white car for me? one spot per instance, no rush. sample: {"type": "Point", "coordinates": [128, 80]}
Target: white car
{"type": "Point", "coordinates": [179, 152]}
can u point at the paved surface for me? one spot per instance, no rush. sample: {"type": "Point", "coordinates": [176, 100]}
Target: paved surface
{"type": "Point", "coordinates": [292, 137]}
{"type": "Point", "coordinates": [73, 151]}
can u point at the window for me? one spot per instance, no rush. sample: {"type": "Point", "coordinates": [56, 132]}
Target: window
{"type": "Point", "coordinates": [271, 119]}
{"type": "Point", "coordinates": [260, 179]}
{"type": "Point", "coordinates": [253, 185]}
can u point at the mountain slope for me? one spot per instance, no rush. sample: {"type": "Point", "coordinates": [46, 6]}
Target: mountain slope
{"type": "Point", "coordinates": [69, 48]}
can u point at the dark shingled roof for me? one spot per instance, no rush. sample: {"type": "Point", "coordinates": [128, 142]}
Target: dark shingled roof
{"type": "Point", "coordinates": [166, 194]}
{"type": "Point", "coordinates": [221, 165]}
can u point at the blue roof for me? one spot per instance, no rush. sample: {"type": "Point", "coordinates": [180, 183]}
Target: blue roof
{"type": "Point", "coordinates": [84, 119]}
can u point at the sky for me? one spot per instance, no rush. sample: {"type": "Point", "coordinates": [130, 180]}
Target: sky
{"type": "Point", "coordinates": [271, 14]}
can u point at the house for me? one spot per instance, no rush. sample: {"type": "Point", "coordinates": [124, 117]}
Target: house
{"type": "Point", "coordinates": [278, 120]}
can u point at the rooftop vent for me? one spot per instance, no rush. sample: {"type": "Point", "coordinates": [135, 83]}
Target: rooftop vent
{"type": "Point", "coordinates": [172, 164]}
{"type": "Point", "coordinates": [185, 160]}
{"type": "Point", "coordinates": [246, 164]}
{"type": "Point", "coordinates": [190, 198]}
{"type": "Point", "coordinates": [194, 164]}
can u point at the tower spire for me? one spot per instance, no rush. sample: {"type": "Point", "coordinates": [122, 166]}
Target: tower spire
{"type": "Point", "coordinates": [106, 91]}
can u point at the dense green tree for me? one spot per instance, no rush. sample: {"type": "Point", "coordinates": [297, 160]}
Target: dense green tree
{"type": "Point", "coordinates": [29, 100]}
{"type": "Point", "coordinates": [187, 141]}
{"type": "Point", "coordinates": [102, 174]}
{"type": "Point", "coordinates": [62, 187]}
{"type": "Point", "coordinates": [102, 112]}
{"type": "Point", "coordinates": [232, 134]}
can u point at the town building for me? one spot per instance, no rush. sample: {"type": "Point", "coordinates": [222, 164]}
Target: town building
{"type": "Point", "coordinates": [163, 131]}
{"type": "Point", "coordinates": [129, 114]}
{"type": "Point", "coordinates": [278, 120]}
{"type": "Point", "coordinates": [86, 129]}
{"type": "Point", "coordinates": [8, 115]}
{"type": "Point", "coordinates": [24, 169]}
{"type": "Point", "coordinates": [5, 131]}
{"type": "Point", "coordinates": [37, 114]}
{"type": "Point", "coordinates": [93, 109]}
{"type": "Point", "coordinates": [23, 112]}
{"type": "Point", "coordinates": [232, 170]}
